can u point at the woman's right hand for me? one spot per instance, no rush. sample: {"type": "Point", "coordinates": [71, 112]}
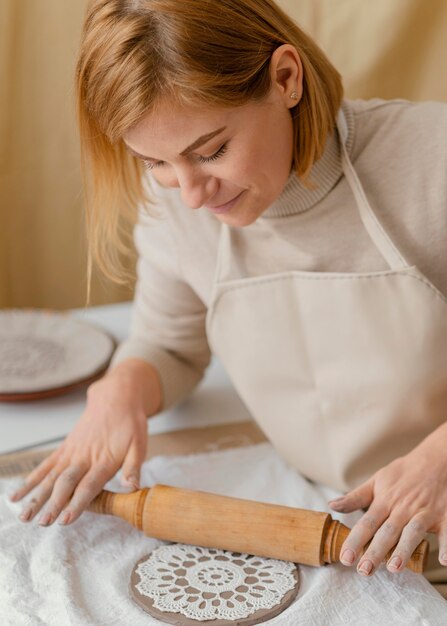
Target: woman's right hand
{"type": "Point", "coordinates": [110, 434]}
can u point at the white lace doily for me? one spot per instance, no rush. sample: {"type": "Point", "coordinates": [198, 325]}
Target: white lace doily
{"type": "Point", "coordinates": [209, 584]}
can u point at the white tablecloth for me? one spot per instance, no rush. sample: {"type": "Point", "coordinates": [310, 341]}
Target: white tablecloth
{"type": "Point", "coordinates": [79, 575]}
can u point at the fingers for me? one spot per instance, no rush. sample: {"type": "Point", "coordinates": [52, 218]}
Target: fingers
{"type": "Point", "coordinates": [359, 498]}
{"type": "Point", "coordinates": [61, 492]}
{"type": "Point", "coordinates": [85, 492]}
{"type": "Point", "coordinates": [74, 487]}
{"type": "Point", "coordinates": [394, 530]}
{"type": "Point", "coordinates": [132, 463]}
{"type": "Point", "coordinates": [412, 534]}
{"type": "Point", "coordinates": [361, 533]}
{"type": "Point", "coordinates": [384, 539]}
{"type": "Point", "coordinates": [35, 477]}
{"type": "Point", "coordinates": [54, 486]}
{"type": "Point", "coordinates": [40, 497]}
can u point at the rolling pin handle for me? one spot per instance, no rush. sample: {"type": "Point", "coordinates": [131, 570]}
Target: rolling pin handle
{"type": "Point", "coordinates": [128, 506]}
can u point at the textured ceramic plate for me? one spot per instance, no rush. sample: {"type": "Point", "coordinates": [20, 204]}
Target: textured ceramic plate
{"type": "Point", "coordinates": [46, 352]}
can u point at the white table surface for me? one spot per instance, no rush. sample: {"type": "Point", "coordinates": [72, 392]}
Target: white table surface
{"type": "Point", "coordinates": [29, 423]}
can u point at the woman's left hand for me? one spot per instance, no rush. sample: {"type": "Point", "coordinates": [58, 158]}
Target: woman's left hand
{"type": "Point", "coordinates": [404, 500]}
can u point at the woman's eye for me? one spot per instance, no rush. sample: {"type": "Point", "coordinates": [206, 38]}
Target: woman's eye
{"type": "Point", "coordinates": [150, 165]}
{"type": "Point", "coordinates": [214, 156]}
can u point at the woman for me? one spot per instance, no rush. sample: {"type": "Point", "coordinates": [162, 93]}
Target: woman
{"type": "Point", "coordinates": [312, 263]}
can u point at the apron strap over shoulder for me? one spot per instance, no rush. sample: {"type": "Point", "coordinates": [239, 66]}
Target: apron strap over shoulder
{"type": "Point", "coordinates": [374, 228]}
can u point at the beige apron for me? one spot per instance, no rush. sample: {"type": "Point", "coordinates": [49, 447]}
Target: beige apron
{"type": "Point", "coordinates": [325, 360]}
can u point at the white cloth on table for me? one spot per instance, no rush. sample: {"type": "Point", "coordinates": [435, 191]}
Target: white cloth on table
{"type": "Point", "coordinates": [79, 575]}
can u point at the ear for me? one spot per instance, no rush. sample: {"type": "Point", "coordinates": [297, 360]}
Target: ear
{"type": "Point", "coordinates": [286, 74]}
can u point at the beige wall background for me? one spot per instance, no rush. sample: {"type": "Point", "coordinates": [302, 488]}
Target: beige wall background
{"type": "Point", "coordinates": [385, 48]}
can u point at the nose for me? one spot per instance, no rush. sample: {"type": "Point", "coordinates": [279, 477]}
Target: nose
{"type": "Point", "coordinates": [196, 187]}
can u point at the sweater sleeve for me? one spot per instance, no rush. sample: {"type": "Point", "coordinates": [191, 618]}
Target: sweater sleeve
{"type": "Point", "coordinates": [168, 318]}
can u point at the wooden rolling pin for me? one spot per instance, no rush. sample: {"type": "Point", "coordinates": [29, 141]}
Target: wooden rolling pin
{"type": "Point", "coordinates": [213, 521]}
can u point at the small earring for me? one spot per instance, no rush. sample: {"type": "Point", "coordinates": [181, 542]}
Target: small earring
{"type": "Point", "coordinates": [294, 95]}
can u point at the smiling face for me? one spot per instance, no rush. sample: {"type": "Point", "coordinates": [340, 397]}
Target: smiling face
{"type": "Point", "coordinates": [233, 162]}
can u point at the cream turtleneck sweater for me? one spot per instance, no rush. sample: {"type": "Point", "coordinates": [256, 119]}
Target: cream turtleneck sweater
{"type": "Point", "coordinates": [399, 152]}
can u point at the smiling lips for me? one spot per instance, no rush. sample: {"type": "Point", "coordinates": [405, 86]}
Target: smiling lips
{"type": "Point", "coordinates": [223, 208]}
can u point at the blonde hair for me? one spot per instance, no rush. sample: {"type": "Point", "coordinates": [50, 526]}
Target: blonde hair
{"type": "Point", "coordinates": [136, 53]}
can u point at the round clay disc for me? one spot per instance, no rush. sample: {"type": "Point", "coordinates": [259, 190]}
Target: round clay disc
{"type": "Point", "coordinates": [44, 353]}
{"type": "Point", "coordinates": [191, 579]}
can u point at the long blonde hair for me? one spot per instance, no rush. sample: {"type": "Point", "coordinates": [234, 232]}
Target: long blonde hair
{"type": "Point", "coordinates": [135, 53]}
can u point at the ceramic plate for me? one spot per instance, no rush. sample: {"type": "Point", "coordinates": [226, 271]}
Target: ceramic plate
{"type": "Point", "coordinates": [43, 351]}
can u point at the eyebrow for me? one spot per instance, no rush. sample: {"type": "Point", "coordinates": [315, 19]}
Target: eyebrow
{"type": "Point", "coordinates": [197, 143]}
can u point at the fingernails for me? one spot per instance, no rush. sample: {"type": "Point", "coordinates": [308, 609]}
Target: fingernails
{"type": "Point", "coordinates": [26, 515]}
{"type": "Point", "coordinates": [132, 481]}
{"type": "Point", "coordinates": [14, 496]}
{"type": "Point", "coordinates": [45, 519]}
{"type": "Point", "coordinates": [347, 557]}
{"type": "Point", "coordinates": [339, 504]}
{"type": "Point", "coordinates": [394, 563]}
{"type": "Point", "coordinates": [365, 568]}
{"type": "Point", "coordinates": [443, 558]}
{"type": "Point", "coordinates": [64, 518]}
